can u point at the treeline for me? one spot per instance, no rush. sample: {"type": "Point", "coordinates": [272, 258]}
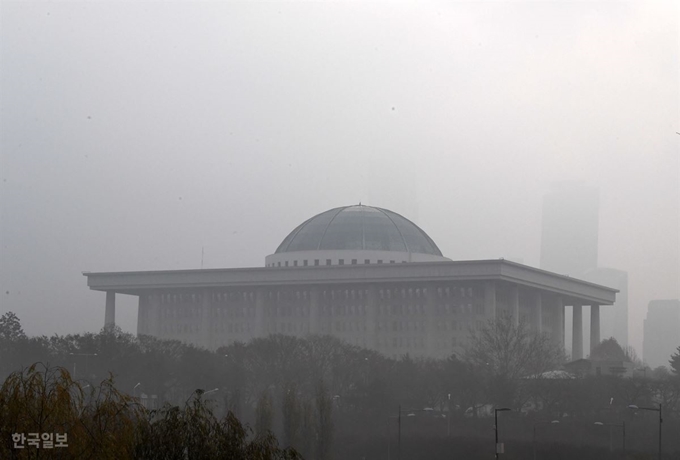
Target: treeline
{"type": "Point", "coordinates": [326, 398]}
{"type": "Point", "coordinates": [101, 423]}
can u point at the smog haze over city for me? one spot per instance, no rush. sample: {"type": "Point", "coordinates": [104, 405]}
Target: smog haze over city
{"type": "Point", "coordinates": [163, 136]}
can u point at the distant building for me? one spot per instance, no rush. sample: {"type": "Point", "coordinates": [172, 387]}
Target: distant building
{"type": "Point", "coordinates": [613, 318]}
{"type": "Point", "coordinates": [661, 332]}
{"type": "Point", "coordinates": [363, 274]}
{"type": "Point", "coordinates": [569, 245]}
{"type": "Point", "coordinates": [583, 367]}
{"type": "Point", "coordinates": [570, 228]}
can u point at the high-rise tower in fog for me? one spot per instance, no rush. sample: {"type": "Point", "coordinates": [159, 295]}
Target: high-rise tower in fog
{"type": "Point", "coordinates": [569, 246]}
{"type": "Point", "coordinates": [570, 229]}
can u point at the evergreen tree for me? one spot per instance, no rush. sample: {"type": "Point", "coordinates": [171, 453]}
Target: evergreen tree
{"type": "Point", "coordinates": [675, 362]}
{"type": "Point", "coordinates": [609, 350]}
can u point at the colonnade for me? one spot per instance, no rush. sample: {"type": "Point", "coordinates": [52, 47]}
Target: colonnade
{"type": "Point", "coordinates": [553, 306]}
{"type": "Point", "coordinates": [545, 312]}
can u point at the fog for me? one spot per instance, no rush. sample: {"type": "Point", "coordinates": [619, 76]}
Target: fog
{"type": "Point", "coordinates": [144, 136]}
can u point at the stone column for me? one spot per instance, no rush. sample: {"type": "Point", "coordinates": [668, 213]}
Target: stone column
{"type": "Point", "coordinates": [490, 300]}
{"type": "Point", "coordinates": [514, 304]}
{"type": "Point", "coordinates": [314, 310]}
{"type": "Point", "coordinates": [432, 321]}
{"type": "Point", "coordinates": [153, 324]}
{"type": "Point", "coordinates": [538, 313]}
{"type": "Point", "coordinates": [110, 314]}
{"type": "Point", "coordinates": [142, 314]}
{"type": "Point", "coordinates": [594, 326]}
{"type": "Point", "coordinates": [206, 317]}
{"type": "Point", "coordinates": [372, 318]}
{"type": "Point", "coordinates": [560, 321]}
{"type": "Point", "coordinates": [577, 334]}
{"type": "Point", "coordinates": [260, 326]}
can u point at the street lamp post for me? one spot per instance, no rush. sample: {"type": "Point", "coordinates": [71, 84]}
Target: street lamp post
{"type": "Point", "coordinates": [654, 409]}
{"type": "Point", "coordinates": [134, 389]}
{"type": "Point", "coordinates": [495, 426]}
{"type": "Point", "coordinates": [611, 425]}
{"type": "Point", "coordinates": [554, 422]}
{"type": "Point", "coordinates": [448, 418]}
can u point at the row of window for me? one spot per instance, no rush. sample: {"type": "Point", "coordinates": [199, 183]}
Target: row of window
{"type": "Point", "coordinates": [234, 328]}
{"type": "Point", "coordinates": [502, 299]}
{"type": "Point", "coordinates": [335, 326]}
{"type": "Point", "coordinates": [396, 326]}
{"type": "Point", "coordinates": [231, 328]}
{"type": "Point", "coordinates": [287, 310]}
{"type": "Point", "coordinates": [181, 328]}
{"type": "Point", "coordinates": [317, 262]}
{"type": "Point", "coordinates": [197, 298]}
{"type": "Point", "coordinates": [399, 326]}
{"type": "Point", "coordinates": [327, 294]}
{"type": "Point", "coordinates": [197, 312]}
{"type": "Point", "coordinates": [182, 312]}
{"type": "Point", "coordinates": [288, 328]}
{"type": "Point", "coordinates": [439, 310]}
{"type": "Point", "coordinates": [402, 342]}
{"type": "Point", "coordinates": [382, 310]}
{"type": "Point", "coordinates": [349, 326]}
{"type": "Point", "coordinates": [403, 293]}
{"type": "Point", "coordinates": [239, 311]}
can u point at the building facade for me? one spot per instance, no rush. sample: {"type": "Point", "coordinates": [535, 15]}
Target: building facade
{"type": "Point", "coordinates": [365, 275]}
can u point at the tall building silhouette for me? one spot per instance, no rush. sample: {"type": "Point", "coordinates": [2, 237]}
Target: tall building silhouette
{"type": "Point", "coordinates": [570, 229]}
{"type": "Point", "coordinates": [569, 246]}
{"type": "Point", "coordinates": [661, 332]}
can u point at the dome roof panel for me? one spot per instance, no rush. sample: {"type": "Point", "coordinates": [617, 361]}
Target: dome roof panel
{"type": "Point", "coordinates": [415, 238]}
{"type": "Point", "coordinates": [359, 228]}
{"type": "Point", "coordinates": [307, 236]}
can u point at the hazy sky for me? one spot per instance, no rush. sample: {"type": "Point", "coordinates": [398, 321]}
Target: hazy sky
{"type": "Point", "coordinates": [135, 134]}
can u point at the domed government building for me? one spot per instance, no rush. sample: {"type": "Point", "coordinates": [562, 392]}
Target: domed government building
{"type": "Point", "coordinates": [366, 275]}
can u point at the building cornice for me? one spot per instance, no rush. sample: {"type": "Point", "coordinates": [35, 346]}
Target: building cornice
{"type": "Point", "coordinates": [141, 282]}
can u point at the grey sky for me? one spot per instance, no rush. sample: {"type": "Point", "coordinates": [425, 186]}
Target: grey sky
{"type": "Point", "coordinates": [134, 134]}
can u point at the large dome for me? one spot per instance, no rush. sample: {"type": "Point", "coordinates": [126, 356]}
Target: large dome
{"type": "Point", "coordinates": [359, 228]}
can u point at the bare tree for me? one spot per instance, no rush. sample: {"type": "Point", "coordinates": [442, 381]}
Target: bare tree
{"type": "Point", "coordinates": [292, 415]}
{"type": "Point", "coordinates": [506, 352]}
{"type": "Point", "coordinates": [264, 413]}
{"type": "Point", "coordinates": [324, 422]}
